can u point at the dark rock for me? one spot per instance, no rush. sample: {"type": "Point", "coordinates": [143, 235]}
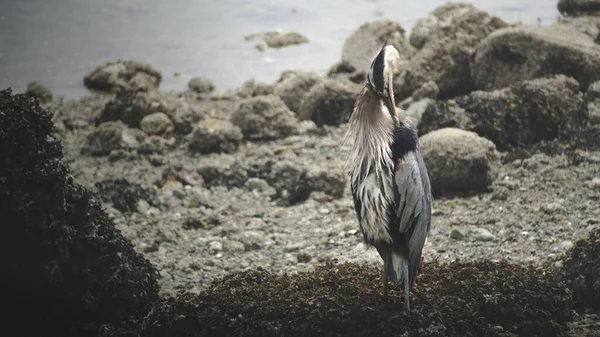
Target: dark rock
{"type": "Point", "coordinates": [214, 135]}
{"type": "Point", "coordinates": [459, 161]}
{"type": "Point", "coordinates": [131, 106]}
{"type": "Point", "coordinates": [526, 112]}
{"type": "Point", "coordinates": [123, 194]}
{"type": "Point", "coordinates": [330, 102]}
{"type": "Point", "coordinates": [364, 43]}
{"type": "Point", "coordinates": [443, 114]}
{"type": "Point", "coordinates": [582, 271]}
{"type": "Point", "coordinates": [66, 268]}
{"type": "Point", "coordinates": [127, 74]}
{"type": "Point", "coordinates": [110, 136]}
{"type": "Point", "coordinates": [157, 123]}
{"type": "Point", "coordinates": [452, 19]}
{"type": "Point", "coordinates": [39, 91]}
{"type": "Point", "coordinates": [511, 55]}
{"type": "Point", "coordinates": [579, 7]}
{"type": "Point", "coordinates": [264, 118]}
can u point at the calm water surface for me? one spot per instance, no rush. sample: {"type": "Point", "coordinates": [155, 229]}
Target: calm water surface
{"type": "Point", "coordinates": [57, 42]}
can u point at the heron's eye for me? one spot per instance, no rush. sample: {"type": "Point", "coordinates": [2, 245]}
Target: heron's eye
{"type": "Point", "coordinates": [376, 77]}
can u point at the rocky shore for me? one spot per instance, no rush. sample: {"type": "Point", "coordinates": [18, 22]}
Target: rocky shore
{"type": "Point", "coordinates": [202, 186]}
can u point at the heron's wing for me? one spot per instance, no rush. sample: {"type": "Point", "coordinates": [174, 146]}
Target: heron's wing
{"type": "Point", "coordinates": [413, 202]}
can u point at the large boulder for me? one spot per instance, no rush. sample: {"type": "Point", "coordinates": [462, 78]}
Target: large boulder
{"type": "Point", "coordinates": [579, 7]}
{"type": "Point", "coordinates": [459, 160]}
{"type": "Point", "coordinates": [264, 118]}
{"type": "Point", "coordinates": [127, 74]}
{"type": "Point", "coordinates": [362, 45]}
{"type": "Point", "coordinates": [514, 54]}
{"type": "Point", "coordinates": [65, 267]}
{"type": "Point", "coordinates": [293, 86]}
{"type": "Point", "coordinates": [445, 62]}
{"type": "Point", "coordinates": [440, 114]}
{"type": "Point", "coordinates": [330, 102]}
{"type": "Point", "coordinates": [131, 106]}
{"type": "Point", "coordinates": [526, 112]}
{"type": "Point", "coordinates": [452, 19]}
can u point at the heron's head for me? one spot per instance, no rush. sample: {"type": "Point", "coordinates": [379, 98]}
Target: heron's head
{"type": "Point", "coordinates": [380, 78]}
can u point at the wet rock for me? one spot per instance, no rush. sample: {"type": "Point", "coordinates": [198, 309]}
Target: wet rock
{"type": "Point", "coordinates": [526, 112]}
{"type": "Point", "coordinates": [591, 105]}
{"type": "Point", "coordinates": [39, 91]}
{"type": "Point", "coordinates": [459, 160]}
{"type": "Point", "coordinates": [278, 39]}
{"type": "Point", "coordinates": [157, 123]}
{"type": "Point", "coordinates": [441, 114]}
{"type": "Point", "coordinates": [127, 74]}
{"type": "Point", "coordinates": [451, 19]}
{"type": "Point", "coordinates": [511, 55]}
{"type": "Point", "coordinates": [364, 43]}
{"type": "Point", "coordinates": [65, 265]}
{"type": "Point", "coordinates": [131, 106]}
{"type": "Point", "coordinates": [213, 135]}
{"type": "Point", "coordinates": [292, 87]}
{"type": "Point", "coordinates": [579, 7]}
{"type": "Point", "coordinates": [123, 194]}
{"type": "Point", "coordinates": [330, 102]}
{"type": "Point", "coordinates": [264, 118]}
{"type": "Point", "coordinates": [201, 85]}
{"type": "Point", "coordinates": [110, 136]}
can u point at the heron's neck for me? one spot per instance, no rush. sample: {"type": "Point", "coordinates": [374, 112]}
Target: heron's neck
{"type": "Point", "coordinates": [371, 130]}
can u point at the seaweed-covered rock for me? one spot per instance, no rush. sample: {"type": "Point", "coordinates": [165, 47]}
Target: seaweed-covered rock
{"type": "Point", "coordinates": [459, 160]}
{"type": "Point", "coordinates": [277, 39]}
{"type": "Point", "coordinates": [450, 19]}
{"type": "Point", "coordinates": [127, 74]}
{"type": "Point", "coordinates": [526, 112]}
{"type": "Point", "coordinates": [123, 194]}
{"type": "Point", "coordinates": [292, 87]}
{"type": "Point", "coordinates": [66, 268]}
{"type": "Point", "coordinates": [157, 123]}
{"type": "Point", "coordinates": [445, 62]}
{"type": "Point", "coordinates": [131, 106]}
{"type": "Point", "coordinates": [214, 135]}
{"type": "Point", "coordinates": [579, 7]}
{"type": "Point", "coordinates": [514, 54]}
{"type": "Point", "coordinates": [459, 299]}
{"type": "Point", "coordinates": [39, 91]}
{"type": "Point", "coordinates": [582, 270]}
{"type": "Point", "coordinates": [330, 102]}
{"type": "Point", "coordinates": [264, 118]}
{"type": "Point", "coordinates": [110, 136]}
{"type": "Point", "coordinates": [201, 85]}
{"type": "Point", "coordinates": [364, 43]}
{"type": "Point", "coordinates": [592, 103]}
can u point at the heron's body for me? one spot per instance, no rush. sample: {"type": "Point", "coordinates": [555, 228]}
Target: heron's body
{"type": "Point", "coordinates": [389, 183]}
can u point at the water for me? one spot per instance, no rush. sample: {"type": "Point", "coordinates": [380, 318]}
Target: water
{"type": "Point", "coordinates": [57, 42]}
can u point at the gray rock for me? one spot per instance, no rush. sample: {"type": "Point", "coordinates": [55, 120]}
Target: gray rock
{"type": "Point", "coordinates": [156, 123]}
{"type": "Point", "coordinates": [445, 62]}
{"type": "Point", "coordinates": [260, 186]}
{"type": "Point", "coordinates": [363, 44]}
{"type": "Point", "coordinates": [214, 135]}
{"type": "Point", "coordinates": [252, 240]}
{"type": "Point", "coordinates": [451, 19]}
{"type": "Point", "coordinates": [215, 246]}
{"type": "Point", "coordinates": [578, 7]}
{"type": "Point", "coordinates": [110, 136]}
{"type": "Point", "coordinates": [330, 102]}
{"type": "Point", "coordinates": [39, 91]}
{"type": "Point", "coordinates": [457, 234]}
{"type": "Point", "coordinates": [329, 180]}
{"type": "Point", "coordinates": [154, 144]}
{"type": "Point", "coordinates": [459, 160]}
{"type": "Point", "coordinates": [414, 112]}
{"type": "Point", "coordinates": [482, 234]}
{"type": "Point", "coordinates": [526, 112]}
{"type": "Point", "coordinates": [222, 170]}
{"type": "Point", "coordinates": [130, 106]}
{"type": "Point", "coordinates": [429, 89]}
{"type": "Point", "coordinates": [511, 55]}
{"type": "Point", "coordinates": [278, 39]}
{"type": "Point", "coordinates": [264, 118]}
{"type": "Point", "coordinates": [591, 105]}
{"type": "Point", "coordinates": [128, 74]}
{"type": "Point", "coordinates": [253, 88]}
{"type": "Point", "coordinates": [201, 85]}
{"type": "Point", "coordinates": [292, 87]}
{"type": "Point", "coordinates": [588, 25]}
{"type": "Point", "coordinates": [442, 114]}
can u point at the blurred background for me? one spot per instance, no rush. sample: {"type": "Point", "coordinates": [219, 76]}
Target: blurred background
{"type": "Point", "coordinates": [58, 42]}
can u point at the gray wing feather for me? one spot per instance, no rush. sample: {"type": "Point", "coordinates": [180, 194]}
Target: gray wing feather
{"type": "Point", "coordinates": [414, 202]}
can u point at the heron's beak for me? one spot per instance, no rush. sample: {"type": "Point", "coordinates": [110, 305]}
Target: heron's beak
{"type": "Point", "coordinates": [391, 106]}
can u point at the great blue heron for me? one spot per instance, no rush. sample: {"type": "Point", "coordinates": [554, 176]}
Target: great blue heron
{"type": "Point", "coordinates": [389, 182]}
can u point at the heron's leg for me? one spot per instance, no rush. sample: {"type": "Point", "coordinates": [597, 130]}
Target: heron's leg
{"type": "Point", "coordinates": [386, 267]}
{"type": "Point", "coordinates": [406, 286]}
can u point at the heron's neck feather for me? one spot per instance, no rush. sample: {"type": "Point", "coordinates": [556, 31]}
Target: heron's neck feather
{"type": "Point", "coordinates": [371, 131]}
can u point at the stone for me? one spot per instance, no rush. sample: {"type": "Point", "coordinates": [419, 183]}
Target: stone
{"type": "Point", "coordinates": [39, 91]}
{"type": "Point", "coordinates": [264, 118]}
{"type": "Point", "coordinates": [214, 135]}
{"type": "Point", "coordinates": [292, 87]}
{"type": "Point", "coordinates": [157, 123]}
{"type": "Point", "coordinates": [330, 102]}
{"type": "Point", "coordinates": [126, 74]}
{"type": "Point", "coordinates": [201, 85]}
{"type": "Point", "coordinates": [109, 136]}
